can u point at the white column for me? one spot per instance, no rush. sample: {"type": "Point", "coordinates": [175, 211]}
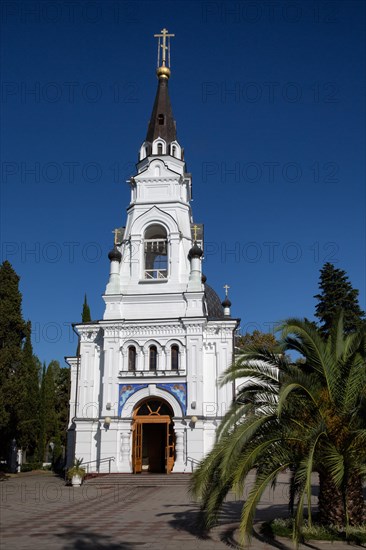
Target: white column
{"type": "Point", "coordinates": [179, 465]}
{"type": "Point", "coordinates": [113, 286]}
{"type": "Point", "coordinates": [125, 451]}
{"type": "Point", "coordinates": [195, 282]}
{"type": "Point", "coordinates": [140, 359]}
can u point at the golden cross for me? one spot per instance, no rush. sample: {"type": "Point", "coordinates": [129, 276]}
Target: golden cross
{"type": "Point", "coordinates": [115, 231]}
{"type": "Point", "coordinates": [195, 228]}
{"type": "Point", "coordinates": [226, 287]}
{"type": "Point", "coordinates": [164, 35]}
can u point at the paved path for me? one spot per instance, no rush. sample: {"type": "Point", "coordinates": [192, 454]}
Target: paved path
{"type": "Point", "coordinates": [40, 512]}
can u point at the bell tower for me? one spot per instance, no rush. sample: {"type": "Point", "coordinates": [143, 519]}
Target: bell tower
{"type": "Point", "coordinates": [144, 385]}
{"type": "Point", "coordinates": [151, 259]}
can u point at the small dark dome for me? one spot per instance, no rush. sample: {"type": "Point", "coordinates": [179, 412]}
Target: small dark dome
{"type": "Point", "coordinates": [196, 251]}
{"type": "Point", "coordinates": [213, 302]}
{"type": "Point", "coordinates": [203, 278]}
{"type": "Point", "coordinates": [226, 302]}
{"type": "Point", "coordinates": [115, 255]}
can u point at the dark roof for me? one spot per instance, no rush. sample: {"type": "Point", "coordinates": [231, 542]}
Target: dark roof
{"type": "Point", "coordinates": [115, 255]}
{"type": "Point", "coordinates": [195, 251]}
{"type": "Point", "coordinates": [162, 123]}
{"type": "Point", "coordinates": [214, 307]}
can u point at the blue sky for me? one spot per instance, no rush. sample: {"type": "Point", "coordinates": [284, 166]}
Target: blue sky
{"type": "Point", "coordinates": [269, 103]}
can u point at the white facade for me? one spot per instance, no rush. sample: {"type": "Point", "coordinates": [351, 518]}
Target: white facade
{"type": "Point", "coordinates": [164, 337]}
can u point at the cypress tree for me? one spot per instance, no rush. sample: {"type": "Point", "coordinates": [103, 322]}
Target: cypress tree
{"type": "Point", "coordinates": [58, 386]}
{"type": "Point", "coordinates": [49, 404]}
{"type": "Point", "coordinates": [28, 428]}
{"type": "Point", "coordinates": [12, 333]}
{"type": "Point", "coordinates": [48, 416]}
{"type": "Point", "coordinates": [336, 293]}
{"type": "Point", "coordinates": [62, 396]}
{"type": "Point", "coordinates": [42, 418]}
{"type": "Point", "coordinates": [54, 410]}
{"type": "Point", "coordinates": [86, 316]}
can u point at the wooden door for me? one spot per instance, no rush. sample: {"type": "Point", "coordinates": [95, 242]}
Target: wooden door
{"type": "Point", "coordinates": [170, 448]}
{"type": "Point", "coordinates": [137, 448]}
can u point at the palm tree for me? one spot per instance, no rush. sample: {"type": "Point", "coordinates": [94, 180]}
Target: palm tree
{"type": "Point", "coordinates": [304, 415]}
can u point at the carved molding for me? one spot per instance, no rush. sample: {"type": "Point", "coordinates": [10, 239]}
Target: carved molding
{"type": "Point", "coordinates": [130, 331]}
{"type": "Point", "coordinates": [89, 334]}
{"type": "Point", "coordinates": [155, 179]}
{"type": "Point", "coordinates": [209, 346]}
{"type": "Point", "coordinates": [219, 330]}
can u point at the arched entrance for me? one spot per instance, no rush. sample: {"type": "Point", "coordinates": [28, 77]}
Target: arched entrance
{"type": "Point", "coordinates": [153, 441]}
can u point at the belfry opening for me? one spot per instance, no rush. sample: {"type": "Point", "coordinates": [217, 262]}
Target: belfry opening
{"type": "Point", "coordinates": [153, 447]}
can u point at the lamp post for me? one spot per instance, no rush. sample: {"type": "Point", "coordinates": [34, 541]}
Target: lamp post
{"type": "Point", "coordinates": [13, 456]}
{"type": "Point", "coordinates": [52, 446]}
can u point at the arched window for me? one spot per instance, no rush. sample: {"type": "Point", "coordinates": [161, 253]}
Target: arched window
{"type": "Point", "coordinates": [156, 253]}
{"type": "Point", "coordinates": [153, 358]}
{"type": "Point", "coordinates": [154, 407]}
{"type": "Point", "coordinates": [132, 359]}
{"type": "Point", "coordinates": [160, 148]}
{"type": "Point", "coordinates": [161, 120]}
{"type": "Point", "coordinates": [174, 357]}
{"type": "Point", "coordinates": [144, 150]}
{"type": "Point", "coordinates": [174, 150]}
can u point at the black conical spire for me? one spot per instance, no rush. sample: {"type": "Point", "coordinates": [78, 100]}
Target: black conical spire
{"type": "Point", "coordinates": [162, 123]}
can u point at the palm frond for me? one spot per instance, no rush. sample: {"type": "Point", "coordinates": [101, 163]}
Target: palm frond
{"type": "Point", "coordinates": [352, 383]}
{"type": "Point", "coordinates": [240, 438]}
{"type": "Point", "coordinates": [309, 415]}
{"type": "Point", "coordinates": [303, 475]}
{"type": "Point", "coordinates": [262, 481]}
{"type": "Point", "coordinates": [301, 336]}
{"type": "Point", "coordinates": [333, 460]}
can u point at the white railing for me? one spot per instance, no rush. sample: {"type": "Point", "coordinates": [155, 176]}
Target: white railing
{"type": "Point", "coordinates": [97, 463]}
{"type": "Point", "coordinates": [155, 274]}
{"type": "Point", "coordinates": [149, 373]}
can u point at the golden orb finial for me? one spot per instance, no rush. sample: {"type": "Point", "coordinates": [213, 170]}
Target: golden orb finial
{"type": "Point", "coordinates": [163, 72]}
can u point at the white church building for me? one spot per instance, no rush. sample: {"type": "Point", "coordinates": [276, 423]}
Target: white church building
{"type": "Point", "coordinates": [144, 391]}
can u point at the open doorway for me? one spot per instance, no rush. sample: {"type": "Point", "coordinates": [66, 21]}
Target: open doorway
{"type": "Point", "coordinates": [153, 449]}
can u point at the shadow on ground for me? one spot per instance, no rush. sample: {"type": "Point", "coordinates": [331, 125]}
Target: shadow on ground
{"type": "Point", "coordinates": [78, 539]}
{"type": "Point", "coordinates": [191, 521]}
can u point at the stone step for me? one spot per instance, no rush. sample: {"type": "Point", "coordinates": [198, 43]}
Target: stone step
{"type": "Point", "coordinates": [144, 480]}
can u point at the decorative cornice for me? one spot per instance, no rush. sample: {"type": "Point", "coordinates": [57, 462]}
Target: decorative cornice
{"type": "Point", "coordinates": [219, 330]}
{"type": "Point", "coordinates": [152, 375]}
{"type": "Point", "coordinates": [154, 179]}
{"type": "Point", "coordinates": [89, 333]}
{"type": "Point", "coordinates": [129, 331]}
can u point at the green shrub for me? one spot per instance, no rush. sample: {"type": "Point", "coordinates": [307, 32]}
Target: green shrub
{"type": "Point", "coordinates": [29, 466]}
{"type": "Point", "coordinates": [76, 469]}
{"type": "Point", "coordinates": [283, 528]}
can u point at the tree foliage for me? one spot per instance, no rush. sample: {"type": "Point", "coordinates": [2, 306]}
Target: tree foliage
{"type": "Point", "coordinates": [12, 333]}
{"type": "Point", "coordinates": [336, 294]}
{"type": "Point", "coordinates": [28, 426]}
{"type": "Point", "coordinates": [54, 409]}
{"type": "Point", "coordinates": [257, 339]}
{"type": "Point", "coordinates": [308, 417]}
{"type": "Point", "coordinates": [33, 405]}
{"type": "Point", "coordinates": [86, 316]}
